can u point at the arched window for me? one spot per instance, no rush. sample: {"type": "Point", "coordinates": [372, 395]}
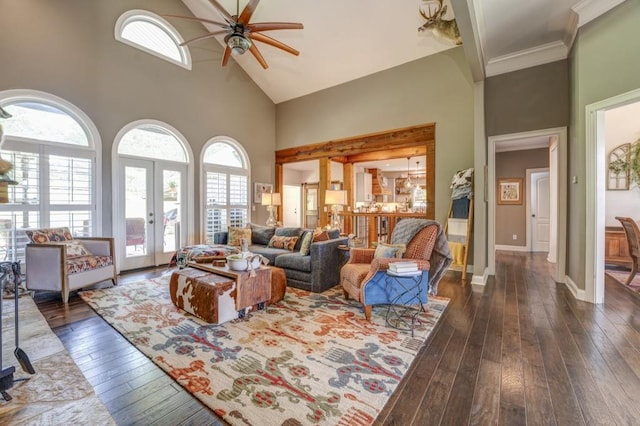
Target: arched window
{"type": "Point", "coordinates": [226, 170]}
{"type": "Point", "coordinates": [53, 148]}
{"type": "Point", "coordinates": [153, 34]}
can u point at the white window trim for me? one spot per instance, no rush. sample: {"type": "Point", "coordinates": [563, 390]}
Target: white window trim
{"type": "Point", "coordinates": [160, 22]}
{"type": "Point", "coordinates": [207, 167]}
{"type": "Point", "coordinates": [90, 129]}
{"type": "Point", "coordinates": [117, 228]}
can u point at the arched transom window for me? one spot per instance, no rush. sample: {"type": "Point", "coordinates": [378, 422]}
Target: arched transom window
{"type": "Point", "coordinates": [153, 34]}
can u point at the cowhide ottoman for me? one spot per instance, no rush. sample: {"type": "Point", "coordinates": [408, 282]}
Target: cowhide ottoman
{"type": "Point", "coordinates": [208, 296]}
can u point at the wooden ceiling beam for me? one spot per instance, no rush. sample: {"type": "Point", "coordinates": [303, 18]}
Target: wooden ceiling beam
{"type": "Point", "coordinates": [389, 154]}
{"type": "Point", "coordinates": [405, 138]}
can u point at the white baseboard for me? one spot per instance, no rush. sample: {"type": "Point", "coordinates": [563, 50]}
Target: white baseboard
{"type": "Point", "coordinates": [512, 248]}
{"type": "Point", "coordinates": [579, 294]}
{"type": "Point", "coordinates": [480, 279]}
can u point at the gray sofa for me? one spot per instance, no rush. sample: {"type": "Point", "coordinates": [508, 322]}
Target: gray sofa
{"type": "Point", "coordinates": [316, 272]}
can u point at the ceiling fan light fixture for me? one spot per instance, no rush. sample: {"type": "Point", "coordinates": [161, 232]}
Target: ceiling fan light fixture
{"type": "Point", "coordinates": [238, 44]}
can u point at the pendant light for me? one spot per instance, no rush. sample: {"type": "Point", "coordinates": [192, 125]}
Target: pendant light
{"type": "Point", "coordinates": [408, 183]}
{"type": "Point", "coordinates": [417, 168]}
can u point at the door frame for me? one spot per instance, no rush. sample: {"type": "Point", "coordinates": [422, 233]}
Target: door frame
{"type": "Point", "coordinates": [529, 232]}
{"type": "Point", "coordinates": [561, 191]}
{"type": "Point", "coordinates": [595, 178]}
{"type": "Point", "coordinates": [117, 227]}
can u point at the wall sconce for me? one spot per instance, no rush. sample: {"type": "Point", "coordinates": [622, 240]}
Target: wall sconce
{"type": "Point", "coordinates": [335, 198]}
{"type": "Point", "coordinates": [271, 199]}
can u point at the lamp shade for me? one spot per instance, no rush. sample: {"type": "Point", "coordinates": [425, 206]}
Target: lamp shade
{"type": "Point", "coordinates": [271, 199]}
{"type": "Point", "coordinates": [336, 198]}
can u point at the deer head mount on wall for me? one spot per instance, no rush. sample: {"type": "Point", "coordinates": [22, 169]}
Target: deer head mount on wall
{"type": "Point", "coordinates": [444, 28]}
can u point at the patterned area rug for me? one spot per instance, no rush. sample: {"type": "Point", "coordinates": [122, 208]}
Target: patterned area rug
{"type": "Point", "coordinates": [622, 276]}
{"type": "Point", "coordinates": [309, 359]}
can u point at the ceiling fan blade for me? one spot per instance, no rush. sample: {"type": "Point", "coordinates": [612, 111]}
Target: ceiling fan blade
{"type": "Point", "coordinates": [268, 26]}
{"type": "Point", "coordinates": [248, 10]}
{"type": "Point", "coordinates": [193, 18]}
{"type": "Point", "coordinates": [221, 10]}
{"type": "Point", "coordinates": [202, 37]}
{"type": "Point", "coordinates": [275, 43]}
{"type": "Point", "coordinates": [253, 49]}
{"type": "Point", "coordinates": [225, 56]}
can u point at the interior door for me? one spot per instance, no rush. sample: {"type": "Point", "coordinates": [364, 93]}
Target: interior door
{"type": "Point", "coordinates": [291, 205]}
{"type": "Point", "coordinates": [152, 199]}
{"type": "Point", "coordinates": [540, 211]}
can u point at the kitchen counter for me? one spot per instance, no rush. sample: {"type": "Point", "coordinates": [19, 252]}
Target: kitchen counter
{"type": "Point", "coordinates": [373, 222]}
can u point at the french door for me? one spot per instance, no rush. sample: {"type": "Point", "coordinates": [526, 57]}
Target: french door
{"type": "Point", "coordinates": [152, 199]}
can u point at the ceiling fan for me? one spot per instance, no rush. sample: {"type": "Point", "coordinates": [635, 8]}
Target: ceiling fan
{"type": "Point", "coordinates": [240, 34]}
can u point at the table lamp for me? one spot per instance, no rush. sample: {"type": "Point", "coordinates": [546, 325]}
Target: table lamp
{"type": "Point", "coordinates": [271, 199]}
{"type": "Point", "coordinates": [335, 198]}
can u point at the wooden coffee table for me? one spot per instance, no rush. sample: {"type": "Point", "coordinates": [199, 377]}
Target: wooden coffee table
{"type": "Point", "coordinates": [250, 291]}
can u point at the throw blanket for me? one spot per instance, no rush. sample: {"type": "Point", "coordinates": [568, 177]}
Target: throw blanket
{"type": "Point", "coordinates": [440, 256]}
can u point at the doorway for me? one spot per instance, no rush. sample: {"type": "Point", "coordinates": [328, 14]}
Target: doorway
{"type": "Point", "coordinates": [596, 175]}
{"type": "Point", "coordinates": [151, 197]}
{"type": "Point", "coordinates": [291, 206]}
{"type": "Point", "coordinates": [557, 144]}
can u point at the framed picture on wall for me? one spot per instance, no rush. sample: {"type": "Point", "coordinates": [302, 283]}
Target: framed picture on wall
{"type": "Point", "coordinates": [259, 189]}
{"type": "Point", "coordinates": [510, 191]}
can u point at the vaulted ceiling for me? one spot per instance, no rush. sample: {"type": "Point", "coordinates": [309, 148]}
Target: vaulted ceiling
{"type": "Point", "coordinates": [345, 40]}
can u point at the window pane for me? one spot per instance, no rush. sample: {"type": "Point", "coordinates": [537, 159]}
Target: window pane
{"type": "Point", "coordinates": [238, 217]}
{"type": "Point", "coordinates": [152, 142]}
{"type": "Point", "coordinates": [171, 209]}
{"type": "Point", "coordinates": [151, 36]}
{"type": "Point", "coordinates": [223, 154]}
{"type": "Point", "coordinates": [12, 237]}
{"type": "Point", "coordinates": [43, 122]}
{"type": "Point", "coordinates": [216, 221]}
{"type": "Point", "coordinates": [78, 221]}
{"type": "Point", "coordinates": [69, 180]}
{"type": "Point", "coordinates": [238, 190]}
{"type": "Point", "coordinates": [216, 189]}
{"type": "Point", "coordinates": [26, 171]}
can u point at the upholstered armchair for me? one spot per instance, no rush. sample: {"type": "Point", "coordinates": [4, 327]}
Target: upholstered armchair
{"type": "Point", "coordinates": [56, 261]}
{"type": "Point", "coordinates": [363, 277]}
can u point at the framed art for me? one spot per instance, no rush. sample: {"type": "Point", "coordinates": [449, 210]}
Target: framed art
{"type": "Point", "coordinates": [510, 191]}
{"type": "Point", "coordinates": [259, 189]}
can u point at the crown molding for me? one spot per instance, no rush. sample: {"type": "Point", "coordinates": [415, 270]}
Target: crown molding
{"type": "Point", "coordinates": [538, 55]}
{"type": "Point", "coordinates": [588, 10]}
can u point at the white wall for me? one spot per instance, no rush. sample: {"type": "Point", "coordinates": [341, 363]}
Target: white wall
{"type": "Point", "coordinates": [622, 126]}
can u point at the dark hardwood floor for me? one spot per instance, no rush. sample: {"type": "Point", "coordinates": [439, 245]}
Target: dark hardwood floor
{"type": "Point", "coordinates": [518, 351]}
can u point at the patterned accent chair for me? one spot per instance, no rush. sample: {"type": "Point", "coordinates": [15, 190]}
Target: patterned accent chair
{"type": "Point", "coordinates": [632, 232]}
{"type": "Point", "coordinates": [56, 261]}
{"type": "Point", "coordinates": [363, 278]}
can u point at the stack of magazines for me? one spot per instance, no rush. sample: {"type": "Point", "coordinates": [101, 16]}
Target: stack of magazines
{"type": "Point", "coordinates": [404, 268]}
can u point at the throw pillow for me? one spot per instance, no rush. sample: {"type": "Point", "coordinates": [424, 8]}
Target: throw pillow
{"type": "Point", "coordinates": [289, 231]}
{"type": "Point", "coordinates": [261, 234]}
{"type": "Point", "coordinates": [48, 235]}
{"type": "Point", "coordinates": [282, 242]}
{"type": "Point", "coordinates": [236, 234]}
{"type": "Point", "coordinates": [305, 248]}
{"type": "Point", "coordinates": [76, 248]}
{"type": "Point", "coordinates": [320, 236]}
{"type": "Point", "coordinates": [389, 250]}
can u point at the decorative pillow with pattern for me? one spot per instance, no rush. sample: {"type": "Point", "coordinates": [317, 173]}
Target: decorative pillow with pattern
{"type": "Point", "coordinates": [307, 239]}
{"type": "Point", "coordinates": [320, 236]}
{"type": "Point", "coordinates": [76, 248]}
{"type": "Point", "coordinates": [282, 242]}
{"type": "Point", "coordinates": [237, 234]}
{"type": "Point", "coordinates": [389, 250]}
{"type": "Point", "coordinates": [48, 235]}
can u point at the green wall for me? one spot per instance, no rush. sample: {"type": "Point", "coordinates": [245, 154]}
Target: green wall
{"type": "Point", "coordinates": [438, 89]}
{"type": "Point", "coordinates": [67, 48]}
{"type": "Point", "coordinates": [604, 62]}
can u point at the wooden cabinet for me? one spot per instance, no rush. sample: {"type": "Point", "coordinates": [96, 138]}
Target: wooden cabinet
{"type": "Point", "coordinates": [616, 250]}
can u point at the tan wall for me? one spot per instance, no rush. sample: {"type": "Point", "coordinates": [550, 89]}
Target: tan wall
{"type": "Point", "coordinates": [67, 48]}
{"type": "Point", "coordinates": [604, 63]}
{"type": "Point", "coordinates": [436, 89]}
{"type": "Point", "coordinates": [512, 219]}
